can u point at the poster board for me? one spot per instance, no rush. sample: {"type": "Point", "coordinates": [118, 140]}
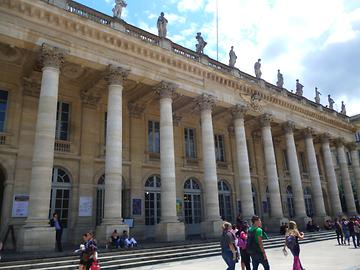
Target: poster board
{"type": "Point", "coordinates": [85, 206]}
{"type": "Point", "coordinates": [20, 205]}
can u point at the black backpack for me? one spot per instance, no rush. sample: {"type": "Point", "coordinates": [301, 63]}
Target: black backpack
{"type": "Point", "coordinates": [251, 245]}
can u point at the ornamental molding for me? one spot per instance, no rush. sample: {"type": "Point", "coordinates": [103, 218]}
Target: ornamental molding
{"type": "Point", "coordinates": [51, 56]}
{"type": "Point", "coordinates": [116, 75]}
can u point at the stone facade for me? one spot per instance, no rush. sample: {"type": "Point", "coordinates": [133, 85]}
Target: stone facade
{"type": "Point", "coordinates": [184, 141]}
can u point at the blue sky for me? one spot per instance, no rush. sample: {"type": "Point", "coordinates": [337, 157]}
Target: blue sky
{"type": "Point", "coordinates": [316, 42]}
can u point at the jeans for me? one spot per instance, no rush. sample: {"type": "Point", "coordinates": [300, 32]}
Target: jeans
{"type": "Point", "coordinates": [228, 258]}
{"type": "Point", "coordinates": [353, 236]}
{"type": "Point", "coordinates": [259, 259]}
{"type": "Point", "coordinates": [58, 240]}
{"type": "Point", "coordinates": [339, 236]}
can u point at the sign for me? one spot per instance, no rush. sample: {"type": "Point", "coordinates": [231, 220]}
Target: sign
{"type": "Point", "coordinates": [20, 205]}
{"type": "Point", "coordinates": [129, 222]}
{"type": "Point", "coordinates": [179, 207]}
{"type": "Point", "coordinates": [136, 207]}
{"type": "Point", "coordinates": [85, 207]}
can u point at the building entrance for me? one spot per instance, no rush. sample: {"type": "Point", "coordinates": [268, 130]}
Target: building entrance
{"type": "Point", "coordinates": [192, 207]}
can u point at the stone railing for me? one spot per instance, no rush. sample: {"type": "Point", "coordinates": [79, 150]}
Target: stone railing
{"type": "Point", "coordinates": [141, 34]}
{"type": "Point", "coordinates": [184, 52]}
{"type": "Point", "coordinates": [88, 13]}
{"type": "Point", "coordinates": [62, 146]}
{"type": "Point", "coordinates": [219, 66]}
{"type": "Point", "coordinates": [4, 138]}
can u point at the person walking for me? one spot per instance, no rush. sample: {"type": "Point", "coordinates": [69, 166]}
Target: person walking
{"type": "Point", "coordinates": [292, 242]}
{"type": "Point", "coordinates": [351, 226]}
{"type": "Point", "coordinates": [242, 240]}
{"type": "Point", "coordinates": [255, 246]}
{"type": "Point", "coordinates": [357, 230]}
{"type": "Point", "coordinates": [56, 223]}
{"type": "Point", "coordinates": [339, 232]}
{"type": "Point", "coordinates": [345, 229]}
{"type": "Point", "coordinates": [228, 250]}
{"type": "Point", "coordinates": [90, 252]}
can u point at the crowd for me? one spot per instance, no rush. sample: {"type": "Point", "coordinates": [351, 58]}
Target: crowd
{"type": "Point", "coordinates": [346, 229]}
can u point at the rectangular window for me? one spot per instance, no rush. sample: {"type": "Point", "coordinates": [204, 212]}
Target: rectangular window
{"type": "Point", "coordinates": [303, 163]}
{"type": "Point", "coordinates": [153, 137]}
{"type": "Point", "coordinates": [3, 109]}
{"type": "Point", "coordinates": [219, 148]}
{"type": "Point", "coordinates": [357, 137]}
{"type": "Point", "coordinates": [62, 121]}
{"type": "Point", "coordinates": [286, 163]}
{"type": "Point", "coordinates": [190, 143]}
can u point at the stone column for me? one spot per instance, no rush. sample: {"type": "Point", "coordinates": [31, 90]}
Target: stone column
{"type": "Point", "coordinates": [277, 215]}
{"type": "Point", "coordinates": [331, 176]}
{"type": "Point", "coordinates": [211, 226]}
{"type": "Point", "coordinates": [296, 182]}
{"type": "Point", "coordinates": [169, 229]}
{"type": "Point", "coordinates": [36, 234]}
{"type": "Point", "coordinates": [316, 189]}
{"type": "Point", "coordinates": [242, 159]}
{"type": "Point", "coordinates": [113, 158]}
{"type": "Point", "coordinates": [345, 176]}
{"type": "Point", "coordinates": [355, 166]}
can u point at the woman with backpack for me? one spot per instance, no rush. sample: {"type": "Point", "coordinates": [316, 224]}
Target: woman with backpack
{"type": "Point", "coordinates": [242, 240]}
{"type": "Point", "coordinates": [292, 242]}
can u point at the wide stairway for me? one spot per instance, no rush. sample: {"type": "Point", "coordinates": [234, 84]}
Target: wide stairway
{"type": "Point", "coordinates": [126, 259]}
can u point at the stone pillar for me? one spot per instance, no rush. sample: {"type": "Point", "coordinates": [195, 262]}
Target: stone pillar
{"type": "Point", "coordinates": [211, 226]}
{"type": "Point", "coordinates": [296, 182]}
{"type": "Point", "coordinates": [113, 158]}
{"type": "Point", "coordinates": [345, 176]}
{"type": "Point", "coordinates": [277, 216]}
{"type": "Point", "coordinates": [355, 166]}
{"type": "Point", "coordinates": [36, 233]}
{"type": "Point", "coordinates": [169, 229]}
{"type": "Point", "coordinates": [316, 189]}
{"type": "Point", "coordinates": [331, 176]}
{"type": "Point", "coordinates": [242, 159]}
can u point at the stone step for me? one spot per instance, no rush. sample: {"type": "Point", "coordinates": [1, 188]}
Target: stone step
{"type": "Point", "coordinates": [143, 257]}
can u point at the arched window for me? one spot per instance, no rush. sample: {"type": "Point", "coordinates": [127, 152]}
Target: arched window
{"type": "Point", "coordinates": [225, 201]}
{"type": "Point", "coordinates": [290, 202]}
{"type": "Point", "coordinates": [254, 194]}
{"type": "Point", "coordinates": [100, 200]}
{"type": "Point", "coordinates": [192, 206]}
{"type": "Point", "coordinates": [152, 200]}
{"type": "Point", "coordinates": [308, 202]}
{"type": "Point", "coordinates": [60, 195]}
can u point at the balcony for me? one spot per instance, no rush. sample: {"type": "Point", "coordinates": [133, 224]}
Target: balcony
{"type": "Point", "coordinates": [62, 146]}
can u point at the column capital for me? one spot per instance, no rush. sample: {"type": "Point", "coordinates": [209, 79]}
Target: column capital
{"type": "Point", "coordinates": [51, 56]}
{"type": "Point", "coordinates": [351, 146]}
{"type": "Point", "coordinates": [231, 131]}
{"type": "Point", "coordinates": [239, 111]}
{"type": "Point", "coordinates": [288, 127]}
{"type": "Point", "coordinates": [116, 75]}
{"type": "Point", "coordinates": [165, 89]}
{"type": "Point", "coordinates": [339, 142]}
{"type": "Point", "coordinates": [265, 120]}
{"type": "Point", "coordinates": [205, 102]}
{"type": "Point", "coordinates": [308, 133]}
{"type": "Point", "coordinates": [325, 137]}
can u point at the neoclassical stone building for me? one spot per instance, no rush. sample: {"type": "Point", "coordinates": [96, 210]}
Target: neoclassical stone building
{"type": "Point", "coordinates": [102, 121]}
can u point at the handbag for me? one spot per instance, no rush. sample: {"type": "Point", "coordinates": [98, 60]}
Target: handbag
{"type": "Point", "coordinates": [95, 266]}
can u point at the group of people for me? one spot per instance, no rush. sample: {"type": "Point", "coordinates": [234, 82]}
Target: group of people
{"type": "Point", "coordinates": [244, 244]}
{"type": "Point", "coordinates": [88, 253]}
{"type": "Point", "coordinates": [123, 241]}
{"type": "Point", "coordinates": [346, 229]}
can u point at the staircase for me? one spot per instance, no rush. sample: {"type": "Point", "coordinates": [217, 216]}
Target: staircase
{"type": "Point", "coordinates": [125, 259]}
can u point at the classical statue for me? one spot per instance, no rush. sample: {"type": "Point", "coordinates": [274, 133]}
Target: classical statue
{"type": "Point", "coordinates": [299, 88]}
{"type": "Point", "coordinates": [331, 102]}
{"type": "Point", "coordinates": [317, 95]}
{"type": "Point", "coordinates": [280, 79]}
{"type": "Point", "coordinates": [257, 67]}
{"type": "Point", "coordinates": [343, 108]}
{"type": "Point", "coordinates": [117, 10]}
{"type": "Point", "coordinates": [161, 25]}
{"type": "Point", "coordinates": [201, 43]}
{"type": "Point", "coordinates": [232, 57]}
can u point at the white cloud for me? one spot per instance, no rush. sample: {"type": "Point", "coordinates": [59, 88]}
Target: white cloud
{"type": "Point", "coordinates": [189, 5]}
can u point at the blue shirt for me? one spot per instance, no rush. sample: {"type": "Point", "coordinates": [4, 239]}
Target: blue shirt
{"type": "Point", "coordinates": [57, 225]}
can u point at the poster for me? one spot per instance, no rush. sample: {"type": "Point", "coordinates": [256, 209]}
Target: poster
{"type": "Point", "coordinates": [20, 205]}
{"type": "Point", "coordinates": [179, 207]}
{"type": "Point", "coordinates": [85, 207]}
{"type": "Point", "coordinates": [136, 207]}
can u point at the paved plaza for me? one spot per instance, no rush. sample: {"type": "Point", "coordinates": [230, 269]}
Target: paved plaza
{"type": "Point", "coordinates": [324, 255]}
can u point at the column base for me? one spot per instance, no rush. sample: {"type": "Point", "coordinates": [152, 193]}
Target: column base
{"type": "Point", "coordinates": [211, 229]}
{"type": "Point", "coordinates": [36, 239]}
{"type": "Point", "coordinates": [170, 231]}
{"type": "Point", "coordinates": [104, 231]}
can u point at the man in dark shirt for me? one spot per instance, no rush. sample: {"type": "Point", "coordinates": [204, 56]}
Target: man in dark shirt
{"type": "Point", "coordinates": [55, 222]}
{"type": "Point", "coordinates": [351, 227]}
{"type": "Point", "coordinates": [228, 250]}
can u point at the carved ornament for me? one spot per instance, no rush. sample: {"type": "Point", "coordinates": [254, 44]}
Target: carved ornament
{"type": "Point", "coordinates": [205, 102]}
{"type": "Point", "coordinates": [116, 75]}
{"type": "Point", "coordinates": [265, 120]}
{"type": "Point", "coordinates": [51, 56]}
{"type": "Point", "coordinates": [165, 89]}
{"type": "Point", "coordinates": [239, 111]}
{"type": "Point", "coordinates": [288, 127]}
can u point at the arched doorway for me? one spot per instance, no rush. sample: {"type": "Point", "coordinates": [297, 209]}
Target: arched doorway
{"type": "Point", "coordinates": [60, 197]}
{"type": "Point", "coordinates": [290, 202]}
{"type": "Point", "coordinates": [192, 207]}
{"type": "Point", "coordinates": [152, 200]}
{"type": "Point", "coordinates": [308, 202]}
{"type": "Point", "coordinates": [225, 201]}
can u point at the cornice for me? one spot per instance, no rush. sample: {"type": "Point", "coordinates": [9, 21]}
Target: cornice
{"type": "Point", "coordinates": [78, 27]}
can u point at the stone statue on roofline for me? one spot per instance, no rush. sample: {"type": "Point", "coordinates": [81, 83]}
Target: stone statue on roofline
{"type": "Point", "coordinates": [162, 25]}
{"type": "Point", "coordinates": [201, 43]}
{"type": "Point", "coordinates": [299, 88]}
{"type": "Point", "coordinates": [117, 10]}
{"type": "Point", "coordinates": [232, 57]}
{"type": "Point", "coordinates": [257, 68]}
{"type": "Point", "coordinates": [331, 102]}
{"type": "Point", "coordinates": [343, 108]}
{"type": "Point", "coordinates": [280, 79]}
{"type": "Point", "coordinates": [317, 95]}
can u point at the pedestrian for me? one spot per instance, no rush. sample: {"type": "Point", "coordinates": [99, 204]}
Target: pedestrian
{"type": "Point", "coordinates": [255, 246]}
{"type": "Point", "coordinates": [228, 249]}
{"type": "Point", "coordinates": [83, 256]}
{"type": "Point", "coordinates": [351, 226]}
{"type": "Point", "coordinates": [90, 252]}
{"type": "Point", "coordinates": [242, 240]}
{"type": "Point", "coordinates": [345, 229]}
{"type": "Point", "coordinates": [357, 231]}
{"type": "Point", "coordinates": [239, 222]}
{"type": "Point", "coordinates": [115, 239]}
{"type": "Point", "coordinates": [339, 232]}
{"type": "Point", "coordinates": [292, 242]}
{"type": "Point", "coordinates": [56, 223]}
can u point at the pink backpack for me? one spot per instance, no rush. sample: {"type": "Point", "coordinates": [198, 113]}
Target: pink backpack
{"type": "Point", "coordinates": [242, 240]}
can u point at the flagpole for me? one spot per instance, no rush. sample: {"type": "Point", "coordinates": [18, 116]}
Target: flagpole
{"type": "Point", "coordinates": [217, 30]}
